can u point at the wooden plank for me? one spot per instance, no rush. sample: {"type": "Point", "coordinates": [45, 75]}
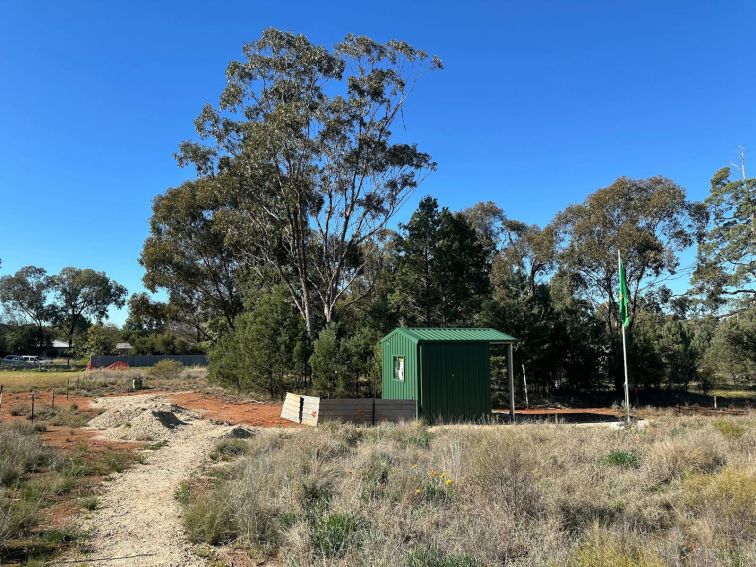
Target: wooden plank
{"type": "Point", "coordinates": [290, 408]}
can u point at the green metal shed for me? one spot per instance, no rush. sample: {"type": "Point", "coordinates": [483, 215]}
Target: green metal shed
{"type": "Point", "coordinates": [446, 370]}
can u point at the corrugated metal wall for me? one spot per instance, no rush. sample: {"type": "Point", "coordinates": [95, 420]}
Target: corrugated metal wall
{"type": "Point", "coordinates": [399, 344]}
{"type": "Point", "coordinates": [99, 361]}
{"type": "Point", "coordinates": [456, 380]}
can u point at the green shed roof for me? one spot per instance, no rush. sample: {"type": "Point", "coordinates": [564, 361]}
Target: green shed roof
{"type": "Point", "coordinates": [442, 334]}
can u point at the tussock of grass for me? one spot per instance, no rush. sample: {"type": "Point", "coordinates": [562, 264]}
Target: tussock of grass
{"type": "Point", "coordinates": [679, 492]}
{"type": "Point", "coordinates": [90, 503]}
{"type": "Point", "coordinates": [227, 449]}
{"type": "Point", "coordinates": [20, 452]}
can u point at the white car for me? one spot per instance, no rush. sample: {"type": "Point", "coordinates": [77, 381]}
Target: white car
{"type": "Point", "coordinates": [36, 361]}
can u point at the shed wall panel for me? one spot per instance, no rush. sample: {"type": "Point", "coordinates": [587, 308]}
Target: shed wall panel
{"type": "Point", "coordinates": [399, 345]}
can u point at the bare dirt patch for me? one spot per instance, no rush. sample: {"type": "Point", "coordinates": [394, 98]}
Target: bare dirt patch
{"type": "Point", "coordinates": [254, 414]}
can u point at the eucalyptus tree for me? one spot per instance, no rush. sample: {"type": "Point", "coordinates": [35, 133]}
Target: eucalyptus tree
{"type": "Point", "coordinates": [487, 219]}
{"type": "Point", "coordinates": [26, 295]}
{"type": "Point", "coordinates": [650, 221]}
{"type": "Point", "coordinates": [727, 254]}
{"type": "Point", "coordinates": [83, 294]}
{"type": "Point", "coordinates": [305, 132]}
{"type": "Point", "coordinates": [187, 254]}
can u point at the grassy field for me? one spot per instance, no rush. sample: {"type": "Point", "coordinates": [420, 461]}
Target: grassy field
{"type": "Point", "coordinates": [16, 380]}
{"type": "Point", "coordinates": [680, 492]}
{"type": "Point", "coordinates": [101, 381]}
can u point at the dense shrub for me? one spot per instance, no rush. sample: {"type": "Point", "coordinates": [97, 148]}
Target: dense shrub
{"type": "Point", "coordinates": [167, 369]}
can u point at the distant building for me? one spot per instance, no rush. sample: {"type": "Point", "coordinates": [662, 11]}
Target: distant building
{"type": "Point", "coordinates": [123, 348]}
{"type": "Point", "coordinates": [60, 346]}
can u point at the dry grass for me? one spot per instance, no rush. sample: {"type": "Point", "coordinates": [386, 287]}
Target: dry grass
{"type": "Point", "coordinates": [23, 380]}
{"type": "Point", "coordinates": [680, 492]}
{"type": "Point", "coordinates": [34, 480]}
{"type": "Point", "coordinates": [100, 382]}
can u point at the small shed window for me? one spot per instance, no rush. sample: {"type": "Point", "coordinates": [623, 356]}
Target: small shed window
{"type": "Point", "coordinates": [399, 368]}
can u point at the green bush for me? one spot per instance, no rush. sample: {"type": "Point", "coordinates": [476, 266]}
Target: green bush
{"type": "Point", "coordinates": [167, 370]}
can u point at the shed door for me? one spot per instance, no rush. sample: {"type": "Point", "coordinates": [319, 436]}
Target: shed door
{"type": "Point", "coordinates": [457, 376]}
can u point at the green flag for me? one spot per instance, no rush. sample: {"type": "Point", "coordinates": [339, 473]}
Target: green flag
{"type": "Point", "coordinates": [624, 307]}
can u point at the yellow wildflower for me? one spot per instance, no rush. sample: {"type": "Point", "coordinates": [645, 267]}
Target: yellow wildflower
{"type": "Point", "coordinates": [448, 482]}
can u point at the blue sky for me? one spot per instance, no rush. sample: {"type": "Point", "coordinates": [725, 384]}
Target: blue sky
{"type": "Point", "coordinates": [540, 104]}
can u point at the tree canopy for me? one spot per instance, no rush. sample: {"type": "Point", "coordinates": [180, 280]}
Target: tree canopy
{"type": "Point", "coordinates": [304, 135]}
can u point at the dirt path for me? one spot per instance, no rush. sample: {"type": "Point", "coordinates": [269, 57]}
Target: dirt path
{"type": "Point", "coordinates": [138, 520]}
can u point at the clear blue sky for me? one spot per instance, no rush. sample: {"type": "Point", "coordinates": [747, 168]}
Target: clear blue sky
{"type": "Point", "coordinates": [540, 103]}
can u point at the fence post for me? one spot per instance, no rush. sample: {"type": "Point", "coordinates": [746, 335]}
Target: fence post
{"type": "Point", "coordinates": [68, 385]}
{"type": "Point", "coordinates": [1, 401]}
{"type": "Point", "coordinates": [32, 413]}
{"type": "Point", "coordinates": [53, 398]}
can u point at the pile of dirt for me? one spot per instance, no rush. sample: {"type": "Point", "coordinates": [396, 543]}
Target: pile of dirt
{"type": "Point", "coordinates": [140, 419]}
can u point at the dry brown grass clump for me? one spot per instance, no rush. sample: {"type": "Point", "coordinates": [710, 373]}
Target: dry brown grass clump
{"type": "Point", "coordinates": [680, 492]}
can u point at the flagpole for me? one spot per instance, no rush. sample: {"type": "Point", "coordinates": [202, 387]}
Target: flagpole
{"type": "Point", "coordinates": [624, 355]}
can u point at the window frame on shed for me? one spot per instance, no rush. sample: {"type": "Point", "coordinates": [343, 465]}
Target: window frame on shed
{"type": "Point", "coordinates": [398, 358]}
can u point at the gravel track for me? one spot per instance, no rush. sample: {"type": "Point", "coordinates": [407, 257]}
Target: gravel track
{"type": "Point", "coordinates": [138, 521]}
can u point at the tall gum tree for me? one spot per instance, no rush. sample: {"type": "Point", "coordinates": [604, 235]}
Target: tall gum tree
{"type": "Point", "coordinates": [306, 134]}
{"type": "Point", "coordinates": [726, 265]}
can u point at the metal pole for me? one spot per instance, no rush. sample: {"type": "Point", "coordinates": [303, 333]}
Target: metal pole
{"type": "Point", "coordinates": [525, 384]}
{"type": "Point", "coordinates": [1, 400]}
{"type": "Point", "coordinates": [510, 371]}
{"type": "Point", "coordinates": [32, 414]}
{"type": "Point", "coordinates": [627, 390]}
{"type": "Point", "coordinates": [53, 398]}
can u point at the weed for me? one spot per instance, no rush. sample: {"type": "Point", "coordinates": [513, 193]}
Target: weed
{"type": "Point", "coordinates": [90, 503]}
{"type": "Point", "coordinates": [332, 534]}
{"type": "Point", "coordinates": [183, 493]}
{"type": "Point", "coordinates": [427, 557]}
{"type": "Point", "coordinates": [680, 493]}
{"type": "Point", "coordinates": [18, 410]}
{"type": "Point", "coordinates": [728, 429]}
{"type": "Point", "coordinates": [625, 459]}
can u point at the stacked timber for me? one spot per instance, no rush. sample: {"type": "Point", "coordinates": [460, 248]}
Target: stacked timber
{"type": "Point", "coordinates": [311, 410]}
